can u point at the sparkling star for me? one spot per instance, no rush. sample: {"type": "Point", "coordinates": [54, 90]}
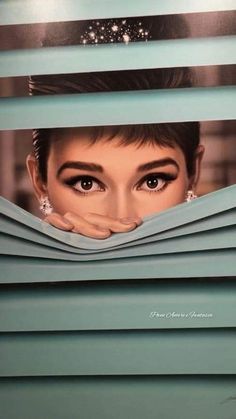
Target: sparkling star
{"type": "Point", "coordinates": [126, 38]}
{"type": "Point", "coordinates": [114, 31]}
{"type": "Point", "coordinates": [114, 28]}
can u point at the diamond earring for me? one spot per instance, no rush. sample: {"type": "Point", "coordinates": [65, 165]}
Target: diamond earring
{"type": "Point", "coordinates": [190, 196]}
{"type": "Point", "coordinates": [45, 206]}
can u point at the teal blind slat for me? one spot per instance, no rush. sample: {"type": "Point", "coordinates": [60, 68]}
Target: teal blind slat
{"type": "Point", "coordinates": [225, 219]}
{"type": "Point", "coordinates": [133, 305]}
{"type": "Point", "coordinates": [15, 12]}
{"type": "Point", "coordinates": [201, 264]}
{"type": "Point", "coordinates": [210, 240]}
{"type": "Point", "coordinates": [155, 54]}
{"type": "Point", "coordinates": [139, 107]}
{"type": "Point", "coordinates": [208, 351]}
{"type": "Point", "coordinates": [151, 397]}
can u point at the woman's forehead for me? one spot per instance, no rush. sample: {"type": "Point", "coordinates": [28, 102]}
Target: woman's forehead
{"type": "Point", "coordinates": [78, 146]}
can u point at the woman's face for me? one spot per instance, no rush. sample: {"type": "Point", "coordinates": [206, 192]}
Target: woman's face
{"type": "Point", "coordinates": [114, 180]}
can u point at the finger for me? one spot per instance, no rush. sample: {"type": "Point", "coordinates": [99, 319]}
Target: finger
{"type": "Point", "coordinates": [82, 226]}
{"type": "Point", "coordinates": [115, 225]}
{"type": "Point", "coordinates": [58, 221]}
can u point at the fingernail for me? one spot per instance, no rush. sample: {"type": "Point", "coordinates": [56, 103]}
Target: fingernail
{"type": "Point", "coordinates": [130, 220]}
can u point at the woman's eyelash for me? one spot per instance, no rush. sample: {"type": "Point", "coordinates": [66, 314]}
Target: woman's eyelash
{"type": "Point", "coordinates": [71, 181]}
{"type": "Point", "coordinates": [164, 176]}
{"type": "Point", "coordinates": [75, 179]}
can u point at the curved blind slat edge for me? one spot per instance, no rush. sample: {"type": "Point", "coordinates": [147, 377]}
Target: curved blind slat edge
{"type": "Point", "coordinates": [199, 264]}
{"type": "Point", "coordinates": [90, 58]}
{"type": "Point", "coordinates": [15, 12]}
{"type": "Point", "coordinates": [120, 108]}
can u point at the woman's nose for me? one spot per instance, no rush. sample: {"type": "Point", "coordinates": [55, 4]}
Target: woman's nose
{"type": "Point", "coordinates": [123, 205]}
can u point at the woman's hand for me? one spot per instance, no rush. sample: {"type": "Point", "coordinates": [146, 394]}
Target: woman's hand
{"type": "Point", "coordinates": [92, 225]}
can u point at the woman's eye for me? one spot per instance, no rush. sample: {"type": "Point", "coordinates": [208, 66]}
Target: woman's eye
{"type": "Point", "coordinates": [86, 184]}
{"type": "Point", "coordinates": [153, 183]}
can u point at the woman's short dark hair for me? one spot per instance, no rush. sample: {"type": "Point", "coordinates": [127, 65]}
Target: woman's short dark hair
{"type": "Point", "coordinates": [185, 134]}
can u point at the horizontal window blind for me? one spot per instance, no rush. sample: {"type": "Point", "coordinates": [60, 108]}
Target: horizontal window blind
{"type": "Point", "coordinates": [91, 348]}
{"type": "Point", "coordinates": [15, 12]}
{"type": "Point", "coordinates": [86, 306]}
{"type": "Point", "coordinates": [89, 58]}
{"type": "Point", "coordinates": [205, 263]}
{"type": "Point", "coordinates": [132, 397]}
{"type": "Point", "coordinates": [137, 107]}
{"type": "Point", "coordinates": [118, 353]}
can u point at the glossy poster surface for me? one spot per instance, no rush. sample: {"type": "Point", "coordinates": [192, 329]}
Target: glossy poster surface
{"type": "Point", "coordinates": [117, 128]}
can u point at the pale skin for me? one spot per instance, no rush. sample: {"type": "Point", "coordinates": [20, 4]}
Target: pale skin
{"type": "Point", "coordinates": [104, 188]}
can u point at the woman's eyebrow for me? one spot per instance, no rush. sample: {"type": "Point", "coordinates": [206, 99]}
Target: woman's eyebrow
{"type": "Point", "coordinates": [92, 167]}
{"type": "Point", "coordinates": [157, 163]}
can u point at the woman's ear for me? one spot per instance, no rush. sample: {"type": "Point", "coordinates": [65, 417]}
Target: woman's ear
{"type": "Point", "coordinates": [198, 160]}
{"type": "Point", "coordinates": [38, 185]}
